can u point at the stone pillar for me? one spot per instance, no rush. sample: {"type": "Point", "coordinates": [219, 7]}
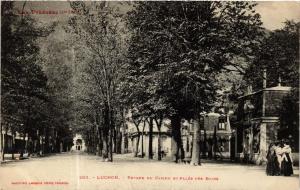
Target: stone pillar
{"type": "Point", "coordinates": [235, 144]}
{"type": "Point", "coordinates": [262, 145]}
{"type": "Point", "coordinates": [264, 93]}
{"type": "Point", "coordinates": [1, 143]}
{"type": "Point", "coordinates": [229, 145]}
{"type": "Point", "coordinates": [251, 152]}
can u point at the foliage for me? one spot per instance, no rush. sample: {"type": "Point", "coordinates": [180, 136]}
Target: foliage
{"type": "Point", "coordinates": [279, 54]}
{"type": "Point", "coordinates": [23, 82]}
{"type": "Point", "coordinates": [289, 119]}
{"type": "Point", "coordinates": [177, 50]}
{"type": "Point", "coordinates": [27, 97]}
{"type": "Point", "coordinates": [100, 38]}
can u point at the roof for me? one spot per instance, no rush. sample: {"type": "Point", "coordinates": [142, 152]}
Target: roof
{"type": "Point", "coordinates": [213, 114]}
{"type": "Point", "coordinates": [275, 88]}
{"type": "Point", "coordinates": [280, 88]}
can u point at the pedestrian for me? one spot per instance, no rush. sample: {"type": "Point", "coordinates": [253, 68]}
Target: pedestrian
{"type": "Point", "coordinates": [278, 152]}
{"type": "Point", "coordinates": [272, 161]}
{"type": "Point", "coordinates": [287, 162]}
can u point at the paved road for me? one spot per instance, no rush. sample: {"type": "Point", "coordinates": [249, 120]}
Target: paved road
{"type": "Point", "coordinates": [76, 171]}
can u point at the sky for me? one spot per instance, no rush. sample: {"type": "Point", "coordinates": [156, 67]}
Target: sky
{"type": "Point", "coordinates": [273, 13]}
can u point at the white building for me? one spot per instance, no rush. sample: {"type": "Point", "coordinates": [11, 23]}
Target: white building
{"type": "Point", "coordinates": [144, 138]}
{"type": "Point", "coordinates": [78, 143]}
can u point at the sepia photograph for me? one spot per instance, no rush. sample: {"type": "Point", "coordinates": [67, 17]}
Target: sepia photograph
{"type": "Point", "coordinates": [154, 95]}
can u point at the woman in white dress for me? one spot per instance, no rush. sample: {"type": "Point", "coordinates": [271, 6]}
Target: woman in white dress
{"type": "Point", "coordinates": [279, 154]}
{"type": "Point", "coordinates": [287, 162]}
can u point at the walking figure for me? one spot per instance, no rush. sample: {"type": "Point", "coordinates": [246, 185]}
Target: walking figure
{"type": "Point", "coordinates": [273, 168]}
{"type": "Point", "coordinates": [287, 162]}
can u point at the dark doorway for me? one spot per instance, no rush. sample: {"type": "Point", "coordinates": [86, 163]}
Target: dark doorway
{"type": "Point", "coordinates": [78, 144]}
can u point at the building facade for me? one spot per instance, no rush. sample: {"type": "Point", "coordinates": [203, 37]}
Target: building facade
{"type": "Point", "coordinates": [215, 137]}
{"type": "Point", "coordinates": [138, 140]}
{"type": "Point", "coordinates": [78, 143]}
{"type": "Point", "coordinates": [258, 123]}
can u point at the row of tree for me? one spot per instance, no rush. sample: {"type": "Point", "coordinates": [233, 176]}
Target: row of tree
{"type": "Point", "coordinates": [157, 60]}
{"type": "Point", "coordinates": [146, 60]}
{"type": "Point", "coordinates": [30, 107]}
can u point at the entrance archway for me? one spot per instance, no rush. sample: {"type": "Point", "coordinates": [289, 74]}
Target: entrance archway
{"type": "Point", "coordinates": [78, 143]}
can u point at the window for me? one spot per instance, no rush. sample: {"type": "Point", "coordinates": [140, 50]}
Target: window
{"type": "Point", "coordinates": [222, 123]}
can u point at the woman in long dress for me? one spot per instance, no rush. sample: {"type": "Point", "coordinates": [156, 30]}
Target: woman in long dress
{"type": "Point", "coordinates": [287, 162]}
{"type": "Point", "coordinates": [272, 164]}
{"type": "Point", "coordinates": [279, 154]}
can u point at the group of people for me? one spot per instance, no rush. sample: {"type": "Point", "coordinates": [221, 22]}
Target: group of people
{"type": "Point", "coordinates": [279, 159]}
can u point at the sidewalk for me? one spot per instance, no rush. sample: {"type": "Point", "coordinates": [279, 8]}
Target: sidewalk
{"type": "Point", "coordinates": [8, 157]}
{"type": "Point", "coordinates": [166, 175]}
{"type": "Point", "coordinates": [129, 157]}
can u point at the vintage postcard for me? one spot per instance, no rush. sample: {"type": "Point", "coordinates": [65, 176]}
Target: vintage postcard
{"type": "Point", "coordinates": [154, 95]}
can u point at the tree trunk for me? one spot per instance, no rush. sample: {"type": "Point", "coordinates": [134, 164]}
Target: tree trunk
{"type": "Point", "coordinates": [87, 142]}
{"type": "Point", "coordinates": [108, 134]}
{"type": "Point", "coordinates": [137, 145]}
{"type": "Point", "coordinates": [105, 147]}
{"type": "Point", "coordinates": [100, 142]}
{"type": "Point", "coordinates": [176, 142]}
{"type": "Point", "coordinates": [150, 151]}
{"type": "Point", "coordinates": [42, 145]}
{"type": "Point", "coordinates": [47, 149]}
{"type": "Point", "coordinates": [115, 146]}
{"type": "Point", "coordinates": [119, 143]}
{"type": "Point", "coordinates": [159, 145]}
{"type": "Point", "coordinates": [158, 125]}
{"type": "Point", "coordinates": [123, 131]}
{"type": "Point", "coordinates": [196, 143]}
{"type": "Point", "coordinates": [4, 144]}
{"type": "Point", "coordinates": [94, 144]}
{"type": "Point", "coordinates": [215, 142]}
{"type": "Point", "coordinates": [24, 146]}
{"type": "Point", "coordinates": [111, 130]}
{"type": "Point", "coordinates": [144, 125]}
{"type": "Point", "coordinates": [204, 144]}
{"type": "Point", "coordinates": [13, 146]}
{"type": "Point", "coordinates": [118, 140]}
{"type": "Point", "coordinates": [96, 140]}
{"type": "Point", "coordinates": [45, 141]}
{"type": "Point", "coordinates": [110, 146]}
{"type": "Point", "coordinates": [1, 144]}
{"type": "Point", "coordinates": [136, 124]}
{"type": "Point", "coordinates": [142, 144]}
{"type": "Point", "coordinates": [118, 137]}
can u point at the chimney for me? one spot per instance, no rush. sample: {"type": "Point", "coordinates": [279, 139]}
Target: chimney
{"type": "Point", "coordinates": [264, 78]}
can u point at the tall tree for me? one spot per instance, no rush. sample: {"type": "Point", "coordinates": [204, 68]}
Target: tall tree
{"type": "Point", "coordinates": [98, 30]}
{"type": "Point", "coordinates": [23, 83]}
{"type": "Point", "coordinates": [181, 47]}
{"type": "Point", "coordinates": [26, 100]}
{"type": "Point", "coordinates": [56, 60]}
{"type": "Point", "coordinates": [279, 55]}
